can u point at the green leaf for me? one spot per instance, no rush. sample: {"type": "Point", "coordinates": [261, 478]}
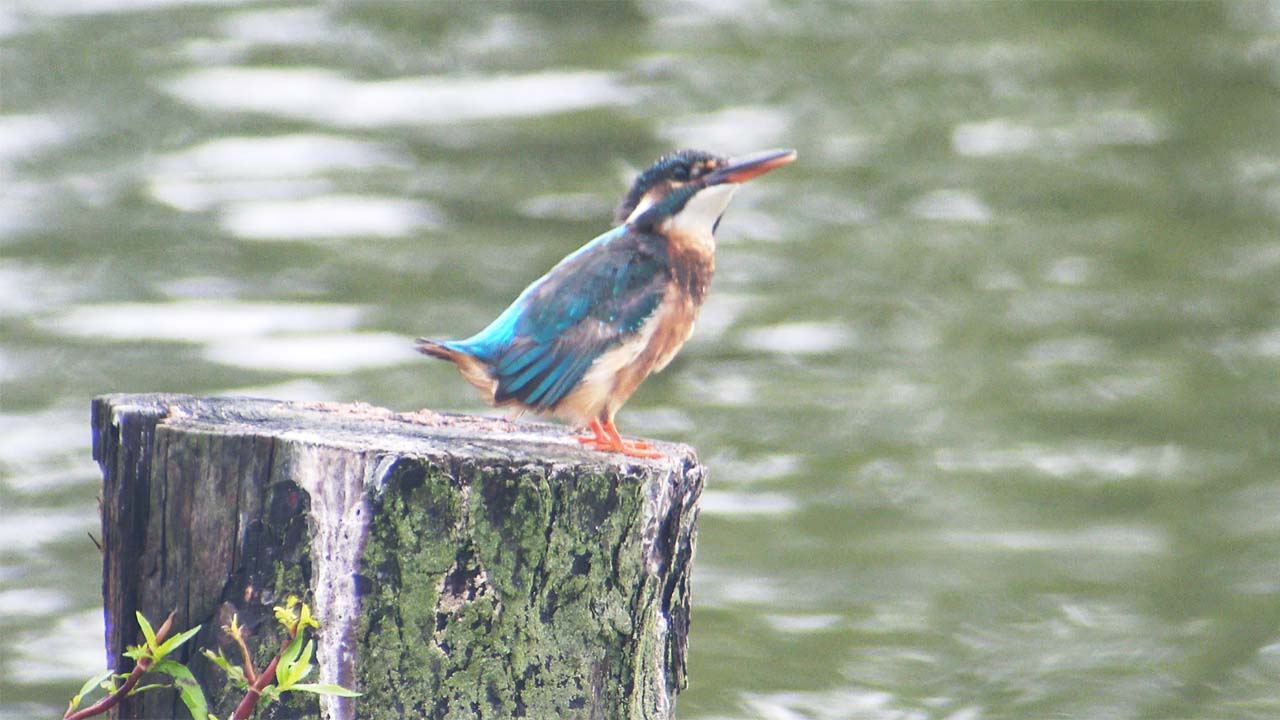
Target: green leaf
{"type": "Point", "coordinates": [147, 631]}
{"type": "Point", "coordinates": [290, 653]}
{"type": "Point", "coordinates": [143, 688]}
{"type": "Point", "coordinates": [89, 686]}
{"type": "Point", "coordinates": [301, 672]}
{"type": "Point", "coordinates": [172, 643]}
{"type": "Point", "coordinates": [304, 667]}
{"type": "Point", "coordinates": [136, 652]}
{"type": "Point", "coordinates": [299, 669]}
{"type": "Point", "coordinates": [188, 689]}
{"type": "Point", "coordinates": [235, 672]}
{"type": "Point", "coordinates": [326, 689]}
{"type": "Point", "coordinates": [305, 620]}
{"type": "Point", "coordinates": [218, 659]}
{"type": "Point", "coordinates": [288, 659]}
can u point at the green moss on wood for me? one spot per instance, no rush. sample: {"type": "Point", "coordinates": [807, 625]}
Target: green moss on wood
{"type": "Point", "coordinates": [511, 598]}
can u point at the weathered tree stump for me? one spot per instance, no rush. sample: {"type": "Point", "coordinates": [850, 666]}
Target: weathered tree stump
{"type": "Point", "coordinates": [461, 567]}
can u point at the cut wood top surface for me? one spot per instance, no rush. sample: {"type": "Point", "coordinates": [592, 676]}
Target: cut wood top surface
{"type": "Point", "coordinates": [361, 426]}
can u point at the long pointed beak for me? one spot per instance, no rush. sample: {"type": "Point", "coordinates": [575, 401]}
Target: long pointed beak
{"type": "Point", "coordinates": [743, 169]}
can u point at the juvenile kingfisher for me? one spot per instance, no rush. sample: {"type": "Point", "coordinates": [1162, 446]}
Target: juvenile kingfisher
{"type": "Point", "coordinates": [579, 340]}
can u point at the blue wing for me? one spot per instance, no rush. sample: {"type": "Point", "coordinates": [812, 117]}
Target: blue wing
{"type": "Point", "coordinates": [596, 298]}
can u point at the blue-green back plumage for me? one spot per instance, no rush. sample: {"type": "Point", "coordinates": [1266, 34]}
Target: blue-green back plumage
{"type": "Point", "coordinates": [540, 347]}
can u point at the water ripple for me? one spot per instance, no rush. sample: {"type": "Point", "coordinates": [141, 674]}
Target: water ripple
{"type": "Point", "coordinates": [23, 136]}
{"type": "Point", "coordinates": [285, 26]}
{"type": "Point", "coordinates": [1002, 136]}
{"type": "Point", "coordinates": [45, 449]}
{"type": "Point", "coordinates": [263, 168]}
{"type": "Point", "coordinates": [721, 502]}
{"type": "Point", "coordinates": [1075, 461]}
{"type": "Point", "coordinates": [803, 623]}
{"type": "Point", "coordinates": [58, 653]}
{"type": "Point", "coordinates": [840, 704]}
{"type": "Point", "coordinates": [333, 354]}
{"type": "Point", "coordinates": [951, 205]}
{"type": "Point", "coordinates": [326, 217]}
{"type": "Point", "coordinates": [314, 94]}
{"type": "Point", "coordinates": [58, 8]}
{"type": "Point", "coordinates": [733, 130]}
{"type": "Point", "coordinates": [799, 338]}
{"type": "Point", "coordinates": [1116, 540]}
{"type": "Point", "coordinates": [26, 288]}
{"type": "Point", "coordinates": [198, 320]}
{"type": "Point", "coordinates": [29, 530]}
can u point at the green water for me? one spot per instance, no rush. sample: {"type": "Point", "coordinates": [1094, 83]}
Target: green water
{"type": "Point", "coordinates": [989, 380]}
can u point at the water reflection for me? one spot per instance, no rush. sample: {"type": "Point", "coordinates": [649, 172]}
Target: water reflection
{"type": "Point", "coordinates": [951, 205]}
{"type": "Point", "coordinates": [23, 139]}
{"type": "Point", "coordinates": [43, 451]}
{"type": "Point", "coordinates": [198, 320]}
{"type": "Point", "coordinates": [803, 623]}
{"type": "Point", "coordinates": [263, 168]}
{"type": "Point", "coordinates": [835, 705]}
{"type": "Point", "coordinates": [987, 386]}
{"type": "Point", "coordinates": [54, 653]}
{"type": "Point", "coordinates": [294, 390]}
{"type": "Point", "coordinates": [30, 534]}
{"type": "Point", "coordinates": [25, 136]}
{"type": "Point", "coordinates": [799, 338]}
{"type": "Point", "coordinates": [718, 502]}
{"type": "Point", "coordinates": [298, 26]}
{"type": "Point", "coordinates": [328, 354]}
{"type": "Point", "coordinates": [28, 288]}
{"type": "Point", "coordinates": [735, 130]}
{"type": "Point", "coordinates": [719, 587]}
{"type": "Point", "coordinates": [327, 217]}
{"type": "Point", "coordinates": [1001, 136]}
{"type": "Point", "coordinates": [1086, 462]}
{"type": "Point", "coordinates": [71, 8]}
{"type": "Point", "coordinates": [321, 95]}
{"type": "Point", "coordinates": [1077, 543]}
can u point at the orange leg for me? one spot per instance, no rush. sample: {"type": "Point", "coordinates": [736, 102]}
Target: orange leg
{"type": "Point", "coordinates": [605, 438]}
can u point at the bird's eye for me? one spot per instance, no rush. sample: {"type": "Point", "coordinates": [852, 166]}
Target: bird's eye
{"type": "Point", "coordinates": [681, 173]}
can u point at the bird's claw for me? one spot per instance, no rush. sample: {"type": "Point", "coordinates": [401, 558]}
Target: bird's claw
{"type": "Point", "coordinates": [605, 438]}
{"type": "Point", "coordinates": [626, 447]}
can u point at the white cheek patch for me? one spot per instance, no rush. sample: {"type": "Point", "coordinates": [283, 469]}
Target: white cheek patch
{"type": "Point", "coordinates": [699, 215]}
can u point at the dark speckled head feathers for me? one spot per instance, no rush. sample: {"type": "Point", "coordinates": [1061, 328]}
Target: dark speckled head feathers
{"type": "Point", "coordinates": [668, 172]}
{"type": "Point", "coordinates": [667, 187]}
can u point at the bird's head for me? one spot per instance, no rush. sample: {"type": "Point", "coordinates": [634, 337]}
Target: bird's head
{"type": "Point", "coordinates": [692, 188]}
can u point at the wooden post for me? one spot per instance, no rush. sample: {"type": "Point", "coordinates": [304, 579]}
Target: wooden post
{"type": "Point", "coordinates": [461, 567]}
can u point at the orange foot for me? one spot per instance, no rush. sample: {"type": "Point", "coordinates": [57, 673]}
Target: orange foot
{"type": "Point", "coordinates": [605, 438]}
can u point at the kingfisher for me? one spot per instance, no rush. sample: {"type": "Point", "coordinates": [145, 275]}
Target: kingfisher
{"type": "Point", "coordinates": [578, 341]}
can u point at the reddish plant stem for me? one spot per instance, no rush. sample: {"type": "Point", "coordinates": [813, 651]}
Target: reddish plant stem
{"type": "Point", "coordinates": [139, 669]}
{"type": "Point", "coordinates": [114, 698]}
{"type": "Point", "coordinates": [265, 678]}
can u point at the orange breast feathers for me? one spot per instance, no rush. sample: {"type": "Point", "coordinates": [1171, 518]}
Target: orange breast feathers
{"type": "Point", "coordinates": [616, 374]}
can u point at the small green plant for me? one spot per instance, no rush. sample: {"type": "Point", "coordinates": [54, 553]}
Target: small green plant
{"type": "Point", "coordinates": [289, 667]}
{"type": "Point", "coordinates": [150, 656]}
{"type": "Point", "coordinates": [285, 673]}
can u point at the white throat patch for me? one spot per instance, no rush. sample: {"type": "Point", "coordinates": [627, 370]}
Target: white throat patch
{"type": "Point", "coordinates": [698, 217]}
